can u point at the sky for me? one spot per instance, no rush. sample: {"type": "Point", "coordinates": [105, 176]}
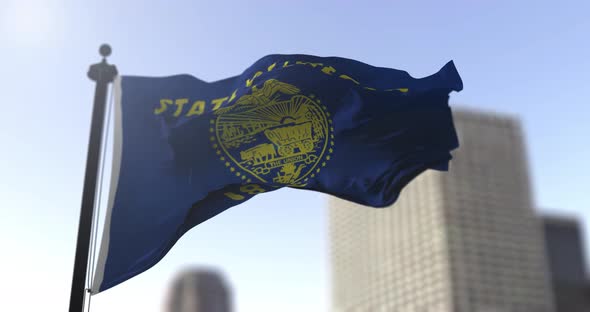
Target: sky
{"type": "Point", "coordinates": [524, 58]}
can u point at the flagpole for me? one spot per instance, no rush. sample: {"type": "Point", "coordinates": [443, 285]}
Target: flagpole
{"type": "Point", "coordinates": [103, 74]}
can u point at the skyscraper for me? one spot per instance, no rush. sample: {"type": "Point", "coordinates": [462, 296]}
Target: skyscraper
{"type": "Point", "coordinates": [563, 240]}
{"type": "Point", "coordinates": [199, 290]}
{"type": "Point", "coordinates": [467, 240]}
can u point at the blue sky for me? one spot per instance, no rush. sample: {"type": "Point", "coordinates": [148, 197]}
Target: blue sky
{"type": "Point", "coordinates": [527, 58]}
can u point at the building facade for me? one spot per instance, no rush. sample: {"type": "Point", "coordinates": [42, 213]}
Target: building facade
{"type": "Point", "coordinates": [199, 290]}
{"type": "Point", "coordinates": [564, 245]}
{"type": "Point", "coordinates": [467, 240]}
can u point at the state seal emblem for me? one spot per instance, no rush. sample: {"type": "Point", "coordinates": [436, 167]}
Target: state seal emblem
{"type": "Point", "coordinates": [274, 135]}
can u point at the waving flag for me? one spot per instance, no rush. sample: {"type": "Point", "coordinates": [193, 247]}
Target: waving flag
{"type": "Point", "coordinates": [186, 150]}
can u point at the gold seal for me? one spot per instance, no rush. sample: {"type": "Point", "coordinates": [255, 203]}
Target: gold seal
{"type": "Point", "coordinates": [274, 135]}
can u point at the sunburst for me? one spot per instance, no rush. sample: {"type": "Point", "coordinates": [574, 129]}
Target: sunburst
{"type": "Point", "coordinates": [274, 113]}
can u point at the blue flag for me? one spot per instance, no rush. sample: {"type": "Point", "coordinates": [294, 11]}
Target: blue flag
{"type": "Point", "coordinates": [185, 150]}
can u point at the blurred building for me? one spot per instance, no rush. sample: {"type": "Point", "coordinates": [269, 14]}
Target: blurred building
{"type": "Point", "coordinates": [199, 290]}
{"type": "Point", "coordinates": [467, 240]}
{"type": "Point", "coordinates": [563, 240]}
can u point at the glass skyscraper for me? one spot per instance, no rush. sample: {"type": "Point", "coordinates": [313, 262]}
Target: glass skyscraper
{"type": "Point", "coordinates": [567, 264]}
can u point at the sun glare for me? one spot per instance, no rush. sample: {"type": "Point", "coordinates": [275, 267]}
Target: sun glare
{"type": "Point", "coordinates": [29, 22]}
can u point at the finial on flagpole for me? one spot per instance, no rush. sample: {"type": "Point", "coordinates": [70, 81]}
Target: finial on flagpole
{"type": "Point", "coordinates": [103, 72]}
{"type": "Point", "coordinates": [105, 50]}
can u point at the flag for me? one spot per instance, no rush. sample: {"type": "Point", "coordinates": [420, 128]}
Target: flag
{"type": "Point", "coordinates": [185, 150]}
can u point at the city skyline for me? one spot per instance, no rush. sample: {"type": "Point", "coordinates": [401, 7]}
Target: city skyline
{"type": "Point", "coordinates": [532, 64]}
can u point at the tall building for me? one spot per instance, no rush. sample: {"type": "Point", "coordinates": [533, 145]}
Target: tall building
{"type": "Point", "coordinates": [467, 240]}
{"type": "Point", "coordinates": [563, 241]}
{"type": "Point", "coordinates": [199, 290]}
